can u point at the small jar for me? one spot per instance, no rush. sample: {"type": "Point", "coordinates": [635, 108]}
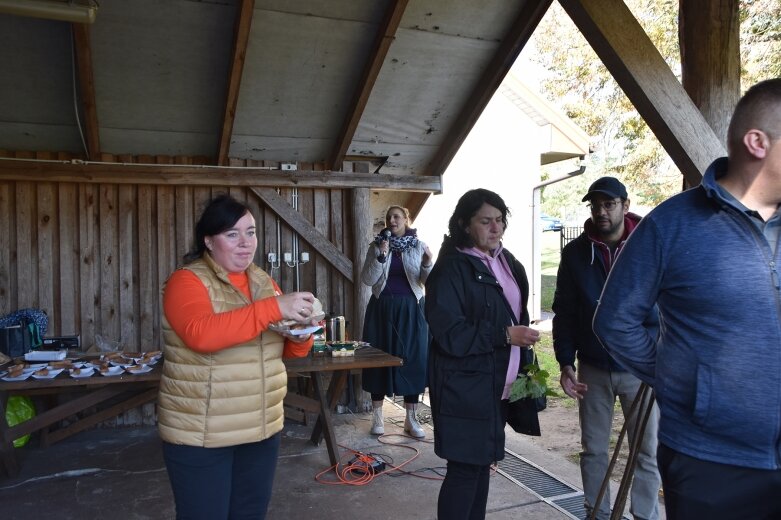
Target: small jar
{"type": "Point", "coordinates": [319, 345]}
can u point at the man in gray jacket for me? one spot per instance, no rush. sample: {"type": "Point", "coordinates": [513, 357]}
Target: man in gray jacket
{"type": "Point", "coordinates": [708, 258]}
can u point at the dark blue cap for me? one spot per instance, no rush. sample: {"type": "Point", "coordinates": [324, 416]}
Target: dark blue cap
{"type": "Point", "coordinates": [609, 186]}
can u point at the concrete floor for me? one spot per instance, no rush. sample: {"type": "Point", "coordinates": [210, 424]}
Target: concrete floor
{"type": "Point", "coordinates": [119, 474]}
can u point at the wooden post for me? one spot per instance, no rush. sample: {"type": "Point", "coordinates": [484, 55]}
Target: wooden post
{"type": "Point", "coordinates": [709, 37]}
{"type": "Point", "coordinates": [641, 72]}
{"type": "Point", "coordinates": [362, 231]}
{"type": "Point", "coordinates": [710, 59]}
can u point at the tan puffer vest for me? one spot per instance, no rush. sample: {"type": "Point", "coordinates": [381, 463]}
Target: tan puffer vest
{"type": "Point", "coordinates": [233, 396]}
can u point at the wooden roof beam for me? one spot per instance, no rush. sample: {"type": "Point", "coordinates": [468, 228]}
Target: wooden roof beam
{"type": "Point", "coordinates": [86, 82]}
{"type": "Point", "coordinates": [511, 46]}
{"type": "Point", "coordinates": [239, 55]}
{"type": "Point", "coordinates": [382, 44]}
{"type": "Point", "coordinates": [635, 63]}
{"type": "Point", "coordinates": [192, 175]}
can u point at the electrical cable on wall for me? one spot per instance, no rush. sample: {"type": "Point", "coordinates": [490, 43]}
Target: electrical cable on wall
{"type": "Point", "coordinates": [75, 100]}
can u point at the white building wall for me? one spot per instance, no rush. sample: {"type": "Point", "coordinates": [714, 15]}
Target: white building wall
{"type": "Point", "coordinates": [502, 154]}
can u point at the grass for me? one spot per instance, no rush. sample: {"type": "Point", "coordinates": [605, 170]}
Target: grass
{"type": "Point", "coordinates": [547, 360]}
{"type": "Point", "coordinates": [546, 294]}
{"type": "Point", "coordinates": [549, 267]}
{"type": "Point", "coordinates": [544, 348]}
{"type": "Point", "coordinates": [551, 244]}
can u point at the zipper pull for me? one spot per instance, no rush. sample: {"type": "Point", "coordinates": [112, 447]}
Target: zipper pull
{"type": "Point", "coordinates": [774, 274]}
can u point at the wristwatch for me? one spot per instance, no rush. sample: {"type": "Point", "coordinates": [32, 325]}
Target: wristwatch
{"type": "Point", "coordinates": [507, 339]}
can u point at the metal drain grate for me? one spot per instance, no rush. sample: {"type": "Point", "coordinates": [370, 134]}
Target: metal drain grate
{"type": "Point", "coordinates": [573, 505]}
{"type": "Point", "coordinates": [545, 485]}
{"type": "Point", "coordinates": [536, 479]}
{"type": "Point", "coordinates": [549, 488]}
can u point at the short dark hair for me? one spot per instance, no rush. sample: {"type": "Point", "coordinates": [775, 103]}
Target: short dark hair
{"type": "Point", "coordinates": [466, 208]}
{"type": "Point", "coordinates": [220, 214]}
{"type": "Point", "coordinates": [760, 108]}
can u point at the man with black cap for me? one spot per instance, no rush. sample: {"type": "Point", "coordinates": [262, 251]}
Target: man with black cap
{"type": "Point", "coordinates": [584, 267]}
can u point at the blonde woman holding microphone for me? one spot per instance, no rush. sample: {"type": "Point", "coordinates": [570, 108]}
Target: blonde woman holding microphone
{"type": "Point", "coordinates": [396, 267]}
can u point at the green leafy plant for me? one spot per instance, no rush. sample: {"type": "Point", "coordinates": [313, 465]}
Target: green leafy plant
{"type": "Point", "coordinates": [534, 383]}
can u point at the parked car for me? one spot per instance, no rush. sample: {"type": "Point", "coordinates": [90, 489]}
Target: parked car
{"type": "Point", "coordinates": [550, 223]}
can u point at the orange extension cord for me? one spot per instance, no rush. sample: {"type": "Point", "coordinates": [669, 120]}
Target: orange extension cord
{"type": "Point", "coordinates": [360, 472]}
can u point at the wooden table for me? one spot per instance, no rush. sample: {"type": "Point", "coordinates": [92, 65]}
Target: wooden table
{"type": "Point", "coordinates": [132, 390]}
{"type": "Point", "coordinates": [326, 399]}
{"type": "Point", "coordinates": [127, 390]}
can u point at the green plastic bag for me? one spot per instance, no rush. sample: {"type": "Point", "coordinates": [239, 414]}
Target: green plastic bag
{"type": "Point", "coordinates": [19, 409]}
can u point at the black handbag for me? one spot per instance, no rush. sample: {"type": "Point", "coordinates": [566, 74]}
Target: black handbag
{"type": "Point", "coordinates": [522, 416]}
{"type": "Point", "coordinates": [522, 413]}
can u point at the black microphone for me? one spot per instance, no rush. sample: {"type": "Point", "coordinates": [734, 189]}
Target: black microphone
{"type": "Point", "coordinates": [385, 235]}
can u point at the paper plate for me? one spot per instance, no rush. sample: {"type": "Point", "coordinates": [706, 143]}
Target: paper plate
{"type": "Point", "coordinates": [143, 370]}
{"type": "Point", "coordinates": [304, 331]}
{"type": "Point", "coordinates": [124, 363]}
{"type": "Point", "coordinates": [85, 372]}
{"type": "Point", "coordinates": [112, 371]}
{"type": "Point", "coordinates": [22, 377]}
{"type": "Point", "coordinates": [51, 375]}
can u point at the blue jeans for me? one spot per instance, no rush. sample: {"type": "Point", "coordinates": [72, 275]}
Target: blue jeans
{"type": "Point", "coordinates": [222, 483]}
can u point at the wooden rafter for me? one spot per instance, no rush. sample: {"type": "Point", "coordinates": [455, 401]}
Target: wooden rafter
{"type": "Point", "coordinates": [641, 72]}
{"type": "Point", "coordinates": [240, 41]}
{"type": "Point", "coordinates": [86, 83]}
{"type": "Point", "coordinates": [306, 230]}
{"type": "Point", "coordinates": [492, 77]}
{"type": "Point", "coordinates": [489, 82]}
{"type": "Point", "coordinates": [382, 43]}
{"type": "Point", "coordinates": [186, 175]}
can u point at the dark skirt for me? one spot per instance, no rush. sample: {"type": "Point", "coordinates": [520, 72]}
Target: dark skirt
{"type": "Point", "coordinates": [397, 325]}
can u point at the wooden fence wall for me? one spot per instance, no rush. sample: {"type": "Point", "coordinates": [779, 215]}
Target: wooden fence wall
{"type": "Point", "coordinates": [95, 256]}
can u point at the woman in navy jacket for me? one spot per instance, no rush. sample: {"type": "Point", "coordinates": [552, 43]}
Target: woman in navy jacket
{"type": "Point", "coordinates": [476, 299]}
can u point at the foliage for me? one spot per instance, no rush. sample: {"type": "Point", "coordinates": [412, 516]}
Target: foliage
{"type": "Point", "coordinates": [760, 40]}
{"type": "Point", "coordinates": [622, 144]}
{"type": "Point", "coordinates": [533, 383]}
{"type": "Point", "coordinates": [547, 366]}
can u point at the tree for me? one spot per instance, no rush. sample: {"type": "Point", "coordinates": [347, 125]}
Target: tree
{"type": "Point", "coordinates": [623, 145]}
{"type": "Point", "coordinates": [760, 40]}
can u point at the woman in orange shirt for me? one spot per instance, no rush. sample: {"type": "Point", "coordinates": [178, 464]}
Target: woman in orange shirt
{"type": "Point", "coordinates": [220, 404]}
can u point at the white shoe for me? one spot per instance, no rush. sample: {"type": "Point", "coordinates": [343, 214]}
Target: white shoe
{"type": "Point", "coordinates": [411, 424]}
{"type": "Point", "coordinates": [378, 428]}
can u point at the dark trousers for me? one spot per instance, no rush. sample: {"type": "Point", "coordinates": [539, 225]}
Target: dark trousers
{"type": "Point", "coordinates": [695, 488]}
{"type": "Point", "coordinates": [464, 492]}
{"type": "Point", "coordinates": [222, 483]}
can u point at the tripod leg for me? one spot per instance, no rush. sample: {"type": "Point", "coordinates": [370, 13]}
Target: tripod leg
{"type": "Point", "coordinates": [606, 481]}
{"type": "Point", "coordinates": [644, 410]}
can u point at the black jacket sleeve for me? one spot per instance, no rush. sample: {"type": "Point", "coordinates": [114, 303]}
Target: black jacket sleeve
{"type": "Point", "coordinates": [566, 324]}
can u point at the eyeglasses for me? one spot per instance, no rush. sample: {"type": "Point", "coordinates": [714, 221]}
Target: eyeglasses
{"type": "Point", "coordinates": [608, 205]}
